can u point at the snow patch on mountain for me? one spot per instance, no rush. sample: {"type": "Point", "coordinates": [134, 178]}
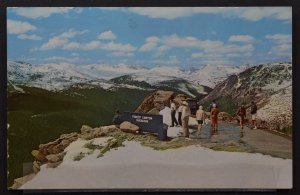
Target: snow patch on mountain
{"type": "Point", "coordinates": [60, 76]}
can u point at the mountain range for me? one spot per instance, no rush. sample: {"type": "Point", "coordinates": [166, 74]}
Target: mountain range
{"type": "Point", "coordinates": [194, 82]}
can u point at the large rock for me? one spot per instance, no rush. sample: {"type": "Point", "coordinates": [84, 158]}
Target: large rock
{"type": "Point", "coordinates": [52, 158]}
{"type": "Point", "coordinates": [70, 137]}
{"type": "Point", "coordinates": [39, 156]}
{"type": "Point", "coordinates": [157, 99]}
{"type": "Point", "coordinates": [86, 129]}
{"type": "Point", "coordinates": [129, 127]}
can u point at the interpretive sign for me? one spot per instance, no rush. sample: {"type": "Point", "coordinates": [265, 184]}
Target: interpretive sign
{"type": "Point", "coordinates": [147, 123]}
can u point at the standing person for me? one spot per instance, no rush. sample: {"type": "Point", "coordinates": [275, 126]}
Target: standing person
{"type": "Point", "coordinates": [241, 112]}
{"type": "Point", "coordinates": [173, 112]}
{"type": "Point", "coordinates": [186, 112]}
{"type": "Point", "coordinates": [210, 109]}
{"type": "Point", "coordinates": [180, 114]}
{"type": "Point", "coordinates": [211, 105]}
{"type": "Point", "coordinates": [214, 117]}
{"type": "Point", "coordinates": [117, 118]}
{"type": "Point", "coordinates": [253, 113]}
{"type": "Point", "coordinates": [200, 117]}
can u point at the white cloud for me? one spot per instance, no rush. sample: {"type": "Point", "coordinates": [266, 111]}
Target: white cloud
{"type": "Point", "coordinates": [151, 43]}
{"type": "Point", "coordinates": [282, 48]}
{"type": "Point", "coordinates": [241, 38]}
{"type": "Point", "coordinates": [233, 55]}
{"type": "Point", "coordinates": [161, 12]}
{"type": "Point", "coordinates": [121, 53]}
{"type": "Point", "coordinates": [109, 35]}
{"type": "Point", "coordinates": [30, 37]}
{"type": "Point", "coordinates": [197, 55]}
{"type": "Point", "coordinates": [112, 46]}
{"type": "Point", "coordinates": [72, 45]}
{"type": "Point", "coordinates": [54, 42]}
{"type": "Point", "coordinates": [246, 13]}
{"type": "Point", "coordinates": [91, 45]}
{"type": "Point", "coordinates": [258, 13]}
{"type": "Point", "coordinates": [62, 59]}
{"type": "Point", "coordinates": [62, 40]}
{"type": "Point", "coordinates": [40, 12]}
{"type": "Point", "coordinates": [280, 38]}
{"type": "Point", "coordinates": [17, 27]}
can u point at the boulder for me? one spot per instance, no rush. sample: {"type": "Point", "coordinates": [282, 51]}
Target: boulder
{"type": "Point", "coordinates": [38, 156]}
{"type": "Point", "coordinates": [55, 149]}
{"type": "Point", "coordinates": [71, 136]}
{"type": "Point", "coordinates": [157, 99]}
{"type": "Point", "coordinates": [52, 158]}
{"type": "Point", "coordinates": [85, 129]}
{"type": "Point", "coordinates": [65, 143]}
{"type": "Point", "coordinates": [129, 127]}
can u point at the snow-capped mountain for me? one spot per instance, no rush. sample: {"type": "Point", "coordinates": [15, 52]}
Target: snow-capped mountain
{"type": "Point", "coordinates": [269, 85]}
{"type": "Point", "coordinates": [60, 76]}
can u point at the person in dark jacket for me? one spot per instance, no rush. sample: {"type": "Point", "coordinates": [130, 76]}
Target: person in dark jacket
{"type": "Point", "coordinates": [173, 113]}
{"type": "Point", "coordinates": [253, 113]}
{"type": "Point", "coordinates": [117, 118]}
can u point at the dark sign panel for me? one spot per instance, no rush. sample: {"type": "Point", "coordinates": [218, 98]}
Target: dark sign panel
{"type": "Point", "coordinates": [147, 123]}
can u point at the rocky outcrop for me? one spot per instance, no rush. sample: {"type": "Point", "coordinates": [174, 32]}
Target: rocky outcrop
{"type": "Point", "coordinates": [157, 99]}
{"type": "Point", "coordinates": [129, 127]}
{"type": "Point", "coordinates": [52, 152]}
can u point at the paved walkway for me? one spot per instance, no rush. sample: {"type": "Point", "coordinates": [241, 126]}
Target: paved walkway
{"type": "Point", "coordinates": [260, 141]}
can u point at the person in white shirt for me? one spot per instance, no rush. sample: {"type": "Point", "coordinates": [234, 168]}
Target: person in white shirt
{"type": "Point", "coordinates": [186, 112]}
{"type": "Point", "coordinates": [200, 117]}
{"type": "Point", "coordinates": [173, 112]}
{"type": "Point", "coordinates": [180, 114]}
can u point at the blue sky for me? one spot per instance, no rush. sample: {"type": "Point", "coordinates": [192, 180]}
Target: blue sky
{"type": "Point", "coordinates": [183, 36]}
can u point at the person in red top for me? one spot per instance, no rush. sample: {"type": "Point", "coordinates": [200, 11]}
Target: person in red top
{"type": "Point", "coordinates": [214, 118]}
{"type": "Point", "coordinates": [241, 113]}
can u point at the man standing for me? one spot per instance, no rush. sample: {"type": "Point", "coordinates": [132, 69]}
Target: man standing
{"type": "Point", "coordinates": [173, 112]}
{"type": "Point", "coordinates": [241, 113]}
{"type": "Point", "coordinates": [186, 112]}
{"type": "Point", "coordinates": [253, 113]}
{"type": "Point", "coordinates": [180, 114]}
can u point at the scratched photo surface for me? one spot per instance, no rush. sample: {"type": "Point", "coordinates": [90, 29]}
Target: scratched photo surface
{"type": "Point", "coordinates": [149, 97]}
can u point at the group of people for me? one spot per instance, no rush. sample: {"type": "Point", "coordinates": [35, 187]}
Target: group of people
{"type": "Point", "coordinates": [241, 113]}
{"type": "Point", "coordinates": [184, 112]}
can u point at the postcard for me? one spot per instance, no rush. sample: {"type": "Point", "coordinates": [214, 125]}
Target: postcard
{"type": "Point", "coordinates": [149, 98]}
